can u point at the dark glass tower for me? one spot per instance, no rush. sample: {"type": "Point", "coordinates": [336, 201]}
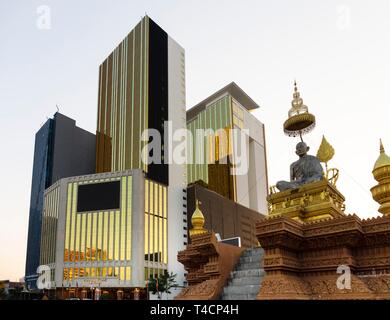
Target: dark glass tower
{"type": "Point", "coordinates": [61, 150]}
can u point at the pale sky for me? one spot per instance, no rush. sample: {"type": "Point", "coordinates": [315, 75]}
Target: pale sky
{"type": "Point", "coordinates": [339, 52]}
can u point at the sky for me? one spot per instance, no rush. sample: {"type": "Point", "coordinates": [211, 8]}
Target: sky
{"type": "Point", "coordinates": [338, 51]}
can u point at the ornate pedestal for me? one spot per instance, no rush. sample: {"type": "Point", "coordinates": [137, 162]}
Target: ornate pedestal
{"type": "Point", "coordinates": [306, 260]}
{"type": "Point", "coordinates": [313, 201]}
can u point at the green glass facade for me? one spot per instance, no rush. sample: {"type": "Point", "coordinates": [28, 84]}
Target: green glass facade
{"type": "Point", "coordinates": [217, 115]}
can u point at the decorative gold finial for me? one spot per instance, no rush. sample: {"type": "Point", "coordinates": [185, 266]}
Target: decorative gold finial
{"type": "Point", "coordinates": [299, 121]}
{"type": "Point", "coordinates": [325, 152]}
{"type": "Point", "coordinates": [381, 148]}
{"type": "Point", "coordinates": [381, 172]}
{"type": "Point", "coordinates": [197, 221]}
{"type": "Point", "coordinates": [297, 103]}
{"type": "Point", "coordinates": [383, 159]}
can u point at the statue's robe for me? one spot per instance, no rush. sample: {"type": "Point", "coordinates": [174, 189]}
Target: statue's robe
{"type": "Point", "coordinates": [305, 170]}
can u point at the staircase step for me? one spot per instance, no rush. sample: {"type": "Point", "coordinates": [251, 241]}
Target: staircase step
{"type": "Point", "coordinates": [247, 273]}
{"type": "Point", "coordinates": [256, 258]}
{"type": "Point", "coordinates": [245, 281]}
{"type": "Point", "coordinates": [248, 266]}
{"type": "Point", "coordinates": [253, 252]}
{"type": "Point", "coordinates": [238, 297]}
{"type": "Point", "coordinates": [245, 289]}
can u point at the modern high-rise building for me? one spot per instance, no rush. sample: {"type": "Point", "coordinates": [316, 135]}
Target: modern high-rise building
{"type": "Point", "coordinates": [107, 231]}
{"type": "Point", "coordinates": [61, 150]}
{"type": "Point", "coordinates": [115, 228]}
{"type": "Point", "coordinates": [141, 87]}
{"type": "Point", "coordinates": [229, 164]}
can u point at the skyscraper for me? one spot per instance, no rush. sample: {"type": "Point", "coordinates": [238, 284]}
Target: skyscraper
{"type": "Point", "coordinates": [61, 150]}
{"type": "Point", "coordinates": [214, 159]}
{"type": "Point", "coordinates": [141, 86]}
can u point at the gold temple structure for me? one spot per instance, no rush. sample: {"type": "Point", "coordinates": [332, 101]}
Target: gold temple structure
{"type": "Point", "coordinates": [197, 221]}
{"type": "Point", "coordinates": [381, 172]}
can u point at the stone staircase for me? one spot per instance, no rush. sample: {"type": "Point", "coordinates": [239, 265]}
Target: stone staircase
{"type": "Point", "coordinates": [244, 282]}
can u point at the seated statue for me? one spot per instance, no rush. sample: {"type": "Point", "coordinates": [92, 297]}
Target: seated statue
{"type": "Point", "coordinates": [307, 169]}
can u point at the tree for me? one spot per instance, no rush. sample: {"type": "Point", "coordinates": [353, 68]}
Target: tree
{"type": "Point", "coordinates": [163, 284]}
{"type": "Point", "coordinates": [3, 294]}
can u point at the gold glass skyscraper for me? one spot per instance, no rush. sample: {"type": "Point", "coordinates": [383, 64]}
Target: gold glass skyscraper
{"type": "Point", "coordinates": [133, 97]}
{"type": "Point", "coordinates": [141, 87]}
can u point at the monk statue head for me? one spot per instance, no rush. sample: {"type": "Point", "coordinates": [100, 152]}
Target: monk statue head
{"type": "Point", "coordinates": [301, 149]}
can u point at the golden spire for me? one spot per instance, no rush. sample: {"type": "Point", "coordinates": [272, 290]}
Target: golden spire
{"type": "Point", "coordinates": [383, 159]}
{"type": "Point", "coordinates": [381, 172]}
{"type": "Point", "coordinates": [299, 121]}
{"type": "Point", "coordinates": [297, 103]}
{"type": "Point", "coordinates": [197, 221]}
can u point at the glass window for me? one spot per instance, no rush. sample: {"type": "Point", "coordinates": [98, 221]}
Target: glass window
{"type": "Point", "coordinates": [88, 236]}
{"type": "Point", "coordinates": [151, 207]}
{"type": "Point", "coordinates": [129, 215]}
{"type": "Point", "coordinates": [146, 196]}
{"type": "Point", "coordinates": [160, 241]}
{"type": "Point", "coordinates": [111, 236]}
{"type": "Point", "coordinates": [99, 244]}
{"type": "Point", "coordinates": [117, 234]}
{"type": "Point", "coordinates": [147, 236]}
{"type": "Point", "coordinates": [128, 273]}
{"type": "Point", "coordinates": [122, 276]}
{"type": "Point", "coordinates": [105, 237]}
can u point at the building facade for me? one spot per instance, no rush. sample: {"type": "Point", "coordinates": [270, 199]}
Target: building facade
{"type": "Point", "coordinates": [142, 87]}
{"type": "Point", "coordinates": [115, 242]}
{"type": "Point", "coordinates": [213, 153]}
{"type": "Point", "coordinates": [61, 150]}
{"type": "Point", "coordinates": [223, 216]}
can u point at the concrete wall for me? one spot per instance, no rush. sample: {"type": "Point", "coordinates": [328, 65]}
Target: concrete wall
{"type": "Point", "coordinates": [242, 179]}
{"type": "Point", "coordinates": [177, 172]}
{"type": "Point", "coordinates": [138, 230]}
{"type": "Point", "coordinates": [257, 178]}
{"type": "Point", "coordinates": [252, 188]}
